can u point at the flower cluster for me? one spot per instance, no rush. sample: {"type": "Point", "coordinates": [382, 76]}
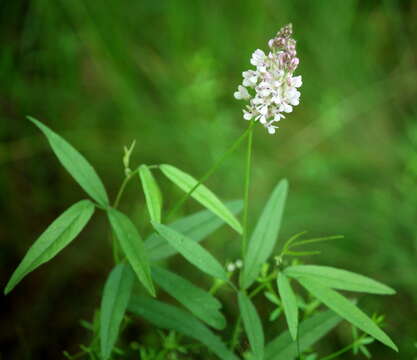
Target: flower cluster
{"type": "Point", "coordinates": [273, 82]}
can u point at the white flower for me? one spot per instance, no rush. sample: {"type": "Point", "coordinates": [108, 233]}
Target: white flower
{"type": "Point", "coordinates": [273, 83]}
{"type": "Point", "coordinates": [258, 58]}
{"type": "Point", "coordinates": [231, 267]}
{"type": "Point", "coordinates": [296, 81]}
{"type": "Point", "coordinates": [239, 263]}
{"type": "Point", "coordinates": [241, 93]}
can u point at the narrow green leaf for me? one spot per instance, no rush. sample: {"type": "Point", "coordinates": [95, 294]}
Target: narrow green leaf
{"type": "Point", "coordinates": [264, 237]}
{"type": "Point", "coordinates": [253, 325]}
{"type": "Point", "coordinates": [289, 302]}
{"type": "Point", "coordinates": [132, 246]}
{"type": "Point", "coordinates": [192, 251]}
{"type": "Point", "coordinates": [339, 279]}
{"type": "Point", "coordinates": [310, 331]}
{"type": "Point", "coordinates": [201, 303]}
{"type": "Point", "coordinates": [56, 237]}
{"type": "Point", "coordinates": [202, 194]}
{"type": "Point", "coordinates": [346, 309]}
{"type": "Point", "coordinates": [152, 193]}
{"type": "Point", "coordinates": [171, 317]}
{"type": "Point", "coordinates": [114, 302]}
{"type": "Point", "coordinates": [79, 168]}
{"type": "Point", "coordinates": [196, 226]}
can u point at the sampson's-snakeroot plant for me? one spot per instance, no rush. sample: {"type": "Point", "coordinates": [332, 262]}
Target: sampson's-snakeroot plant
{"type": "Point", "coordinates": [194, 326]}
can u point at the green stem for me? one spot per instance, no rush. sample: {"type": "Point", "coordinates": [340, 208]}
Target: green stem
{"type": "Point", "coordinates": [215, 166]}
{"type": "Point", "coordinates": [116, 250]}
{"type": "Point", "coordinates": [246, 190]}
{"type": "Point", "coordinates": [236, 333]}
{"type": "Point", "coordinates": [345, 349]}
{"type": "Point", "coordinates": [122, 189]}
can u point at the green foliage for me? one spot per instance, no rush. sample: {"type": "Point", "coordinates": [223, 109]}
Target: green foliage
{"type": "Point", "coordinates": [114, 302]}
{"type": "Point", "coordinates": [196, 226]}
{"type": "Point", "coordinates": [346, 309]}
{"type": "Point", "coordinates": [170, 317]}
{"type": "Point", "coordinates": [265, 234]}
{"type": "Point", "coordinates": [289, 303]}
{"type": "Point", "coordinates": [132, 246]}
{"type": "Point", "coordinates": [192, 251]}
{"type": "Point", "coordinates": [55, 238]}
{"type": "Point", "coordinates": [310, 331]}
{"type": "Point", "coordinates": [76, 165]}
{"type": "Point", "coordinates": [152, 193]}
{"type": "Point", "coordinates": [201, 303]}
{"type": "Point", "coordinates": [339, 279]}
{"type": "Point", "coordinates": [201, 193]}
{"type": "Point", "coordinates": [253, 325]}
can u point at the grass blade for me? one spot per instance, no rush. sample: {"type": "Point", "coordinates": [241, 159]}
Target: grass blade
{"type": "Point", "coordinates": [55, 238]}
{"type": "Point", "coordinates": [339, 279]}
{"type": "Point", "coordinates": [196, 226]}
{"type": "Point", "coordinates": [201, 303]}
{"type": "Point", "coordinates": [114, 302]}
{"type": "Point", "coordinates": [192, 251]}
{"type": "Point", "coordinates": [310, 331]}
{"type": "Point", "coordinates": [202, 194]}
{"type": "Point", "coordinates": [152, 193]}
{"type": "Point", "coordinates": [346, 309]}
{"type": "Point", "coordinates": [79, 168]}
{"type": "Point", "coordinates": [132, 246]}
{"type": "Point", "coordinates": [264, 237]}
{"type": "Point", "coordinates": [289, 303]}
{"type": "Point", "coordinates": [171, 317]}
{"type": "Point", "coordinates": [253, 325]}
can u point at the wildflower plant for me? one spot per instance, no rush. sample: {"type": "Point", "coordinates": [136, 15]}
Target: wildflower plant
{"type": "Point", "coordinates": [197, 328]}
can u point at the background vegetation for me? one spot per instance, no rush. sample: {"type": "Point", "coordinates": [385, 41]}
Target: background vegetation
{"type": "Point", "coordinates": [103, 73]}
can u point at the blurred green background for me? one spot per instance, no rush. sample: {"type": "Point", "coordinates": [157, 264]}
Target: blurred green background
{"type": "Point", "coordinates": [103, 73]}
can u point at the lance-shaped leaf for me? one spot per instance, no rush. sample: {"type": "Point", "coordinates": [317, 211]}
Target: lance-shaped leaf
{"type": "Point", "coordinates": [132, 246]}
{"type": "Point", "coordinates": [76, 164]}
{"type": "Point", "coordinates": [192, 251]}
{"type": "Point", "coordinates": [152, 193]}
{"type": "Point", "coordinates": [56, 237]}
{"type": "Point", "coordinates": [346, 309]}
{"type": "Point", "coordinates": [171, 317]}
{"type": "Point", "coordinates": [310, 331]}
{"type": "Point", "coordinates": [339, 279]}
{"type": "Point", "coordinates": [253, 325]}
{"type": "Point", "coordinates": [289, 303]}
{"type": "Point", "coordinates": [202, 194]}
{"type": "Point", "coordinates": [114, 303]}
{"type": "Point", "coordinates": [201, 303]}
{"type": "Point", "coordinates": [264, 237]}
{"type": "Point", "coordinates": [196, 226]}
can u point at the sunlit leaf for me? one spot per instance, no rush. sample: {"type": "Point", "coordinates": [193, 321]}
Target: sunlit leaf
{"type": "Point", "coordinates": [346, 309]}
{"type": "Point", "coordinates": [132, 246]}
{"type": "Point", "coordinates": [202, 194]}
{"type": "Point", "coordinates": [79, 168]}
{"type": "Point", "coordinates": [253, 325]}
{"type": "Point", "coordinates": [152, 193]}
{"type": "Point", "coordinates": [114, 302]}
{"type": "Point", "coordinates": [171, 317]}
{"type": "Point", "coordinates": [265, 235]}
{"type": "Point", "coordinates": [339, 279]}
{"type": "Point", "coordinates": [56, 237]}
{"type": "Point", "coordinates": [289, 303]}
{"type": "Point", "coordinates": [196, 226]}
{"type": "Point", "coordinates": [201, 303]}
{"type": "Point", "coordinates": [310, 331]}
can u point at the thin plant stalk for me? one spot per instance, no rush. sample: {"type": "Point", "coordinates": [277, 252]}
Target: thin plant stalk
{"type": "Point", "coordinates": [246, 190]}
{"type": "Point", "coordinates": [209, 172]}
